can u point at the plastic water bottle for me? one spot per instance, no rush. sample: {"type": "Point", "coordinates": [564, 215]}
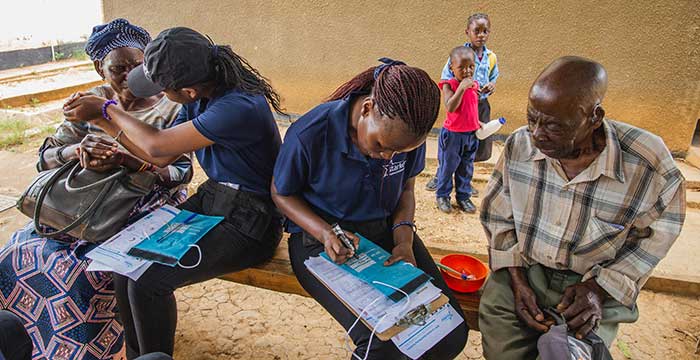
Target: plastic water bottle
{"type": "Point", "coordinates": [490, 128]}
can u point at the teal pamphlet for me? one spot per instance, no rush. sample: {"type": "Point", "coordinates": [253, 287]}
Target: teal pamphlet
{"type": "Point", "coordinates": [369, 266]}
{"type": "Point", "coordinates": [170, 243]}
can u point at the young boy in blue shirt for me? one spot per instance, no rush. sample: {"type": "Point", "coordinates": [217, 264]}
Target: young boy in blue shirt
{"type": "Point", "coordinates": [458, 142]}
{"type": "Point", "coordinates": [486, 72]}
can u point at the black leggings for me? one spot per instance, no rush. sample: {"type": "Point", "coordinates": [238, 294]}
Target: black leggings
{"type": "Point", "coordinates": [247, 236]}
{"type": "Point", "coordinates": [15, 343]}
{"type": "Point", "coordinates": [379, 232]}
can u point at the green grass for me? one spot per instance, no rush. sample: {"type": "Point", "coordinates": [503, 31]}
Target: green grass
{"type": "Point", "coordinates": [79, 55]}
{"type": "Point", "coordinates": [46, 131]}
{"type": "Point", "coordinates": [624, 348]}
{"type": "Point", "coordinates": [12, 132]}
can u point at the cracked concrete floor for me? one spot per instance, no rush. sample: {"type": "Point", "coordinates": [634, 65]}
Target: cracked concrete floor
{"type": "Point", "coordinates": [223, 320]}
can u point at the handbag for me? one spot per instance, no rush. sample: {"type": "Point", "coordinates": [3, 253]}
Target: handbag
{"type": "Point", "coordinates": [82, 203]}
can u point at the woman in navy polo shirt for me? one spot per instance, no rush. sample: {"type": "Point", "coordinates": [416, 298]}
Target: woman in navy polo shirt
{"type": "Point", "coordinates": [227, 122]}
{"type": "Point", "coordinates": [353, 160]}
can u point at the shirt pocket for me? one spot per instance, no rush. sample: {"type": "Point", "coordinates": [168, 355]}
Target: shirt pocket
{"type": "Point", "coordinates": [601, 240]}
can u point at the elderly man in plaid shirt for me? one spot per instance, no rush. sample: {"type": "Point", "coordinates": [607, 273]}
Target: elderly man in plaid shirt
{"type": "Point", "coordinates": [578, 212]}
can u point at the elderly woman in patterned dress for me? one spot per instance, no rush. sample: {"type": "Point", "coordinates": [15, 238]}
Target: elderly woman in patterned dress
{"type": "Point", "coordinates": [68, 312]}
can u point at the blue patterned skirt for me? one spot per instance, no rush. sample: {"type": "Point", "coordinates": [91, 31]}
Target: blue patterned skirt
{"type": "Point", "coordinates": [69, 313]}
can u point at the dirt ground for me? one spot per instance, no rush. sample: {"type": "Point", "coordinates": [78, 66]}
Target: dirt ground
{"type": "Point", "coordinates": [223, 320]}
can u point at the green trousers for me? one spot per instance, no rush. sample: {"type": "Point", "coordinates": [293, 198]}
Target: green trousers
{"type": "Point", "coordinates": [504, 337]}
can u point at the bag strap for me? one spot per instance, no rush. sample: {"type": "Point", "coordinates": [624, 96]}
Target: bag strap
{"type": "Point", "coordinates": [45, 190]}
{"type": "Point", "coordinates": [74, 170]}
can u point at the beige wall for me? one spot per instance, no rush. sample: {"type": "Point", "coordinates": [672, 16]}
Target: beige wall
{"type": "Point", "coordinates": [308, 47]}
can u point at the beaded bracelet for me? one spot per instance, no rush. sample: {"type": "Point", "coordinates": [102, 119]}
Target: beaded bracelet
{"type": "Point", "coordinates": [104, 108]}
{"type": "Point", "coordinates": [404, 223]}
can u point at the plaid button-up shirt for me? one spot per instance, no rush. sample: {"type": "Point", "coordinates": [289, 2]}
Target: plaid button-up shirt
{"type": "Point", "coordinates": [614, 221]}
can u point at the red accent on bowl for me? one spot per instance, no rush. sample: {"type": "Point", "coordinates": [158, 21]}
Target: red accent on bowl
{"type": "Point", "coordinates": [471, 266]}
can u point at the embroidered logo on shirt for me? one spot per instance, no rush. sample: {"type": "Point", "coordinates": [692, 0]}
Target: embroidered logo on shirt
{"type": "Point", "coordinates": [393, 168]}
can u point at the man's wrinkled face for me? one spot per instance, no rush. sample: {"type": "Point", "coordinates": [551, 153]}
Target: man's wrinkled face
{"type": "Point", "coordinates": [558, 129]}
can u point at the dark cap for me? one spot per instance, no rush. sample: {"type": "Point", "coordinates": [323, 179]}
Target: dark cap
{"type": "Point", "coordinates": [178, 57]}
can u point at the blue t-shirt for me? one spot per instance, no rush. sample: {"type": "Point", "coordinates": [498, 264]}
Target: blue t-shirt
{"type": "Point", "coordinates": [245, 135]}
{"type": "Point", "coordinates": [319, 161]}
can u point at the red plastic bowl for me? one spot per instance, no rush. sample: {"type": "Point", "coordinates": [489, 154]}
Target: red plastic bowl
{"type": "Point", "coordinates": [471, 266]}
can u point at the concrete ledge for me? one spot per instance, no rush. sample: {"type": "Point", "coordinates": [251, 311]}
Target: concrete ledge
{"type": "Point", "coordinates": [43, 70]}
{"type": "Point", "coordinates": [46, 96]}
{"type": "Point", "coordinates": [685, 286]}
{"type": "Point", "coordinates": [27, 57]}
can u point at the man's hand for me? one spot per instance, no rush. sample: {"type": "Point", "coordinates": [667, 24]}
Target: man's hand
{"type": "Point", "coordinates": [526, 307]}
{"type": "Point", "coordinates": [335, 248]}
{"type": "Point", "coordinates": [582, 307]}
{"type": "Point", "coordinates": [83, 107]}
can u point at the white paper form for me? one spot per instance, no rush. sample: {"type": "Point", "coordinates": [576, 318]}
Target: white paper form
{"type": "Point", "coordinates": [359, 295]}
{"type": "Point", "coordinates": [416, 340]}
{"type": "Point", "coordinates": [112, 254]}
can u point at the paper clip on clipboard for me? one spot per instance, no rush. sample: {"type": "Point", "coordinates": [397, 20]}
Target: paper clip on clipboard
{"type": "Point", "coordinates": [416, 316]}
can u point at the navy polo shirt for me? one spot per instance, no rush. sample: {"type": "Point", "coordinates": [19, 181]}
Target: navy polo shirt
{"type": "Point", "coordinates": [319, 161]}
{"type": "Point", "coordinates": [245, 135]}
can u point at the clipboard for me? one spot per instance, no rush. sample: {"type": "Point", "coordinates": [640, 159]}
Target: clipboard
{"type": "Point", "coordinates": [416, 316]}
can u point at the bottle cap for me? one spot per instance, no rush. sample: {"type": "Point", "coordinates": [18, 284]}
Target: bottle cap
{"type": "Point", "coordinates": [502, 120]}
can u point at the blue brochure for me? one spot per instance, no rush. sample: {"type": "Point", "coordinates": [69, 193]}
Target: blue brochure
{"type": "Point", "coordinates": [170, 243]}
{"type": "Point", "coordinates": [369, 266]}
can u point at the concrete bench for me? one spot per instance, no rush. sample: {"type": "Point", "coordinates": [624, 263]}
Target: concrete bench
{"type": "Point", "coordinates": [277, 275]}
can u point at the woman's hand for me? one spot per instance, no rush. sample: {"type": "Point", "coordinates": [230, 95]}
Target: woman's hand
{"type": "Point", "coordinates": [403, 246]}
{"type": "Point", "coordinates": [402, 251]}
{"type": "Point", "coordinates": [335, 248]}
{"type": "Point", "coordinates": [83, 107]}
{"type": "Point", "coordinates": [99, 154]}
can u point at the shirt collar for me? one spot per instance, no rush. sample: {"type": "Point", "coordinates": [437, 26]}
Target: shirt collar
{"type": "Point", "coordinates": [611, 164]}
{"type": "Point", "coordinates": [486, 50]}
{"type": "Point", "coordinates": [608, 163]}
{"type": "Point", "coordinates": [337, 132]}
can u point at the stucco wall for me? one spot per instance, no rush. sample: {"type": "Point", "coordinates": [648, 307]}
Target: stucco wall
{"type": "Point", "coordinates": [308, 47]}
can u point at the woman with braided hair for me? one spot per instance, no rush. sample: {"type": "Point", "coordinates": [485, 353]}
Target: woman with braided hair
{"type": "Point", "coordinates": [226, 120]}
{"type": "Point", "coordinates": [353, 160]}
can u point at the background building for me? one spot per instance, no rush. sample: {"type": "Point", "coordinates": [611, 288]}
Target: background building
{"type": "Point", "coordinates": [308, 47]}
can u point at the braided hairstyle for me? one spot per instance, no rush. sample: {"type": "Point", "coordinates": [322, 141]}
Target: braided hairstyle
{"type": "Point", "coordinates": [233, 71]}
{"type": "Point", "coordinates": [478, 16]}
{"type": "Point", "coordinates": [399, 92]}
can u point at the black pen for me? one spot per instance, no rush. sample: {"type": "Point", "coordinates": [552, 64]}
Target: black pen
{"type": "Point", "coordinates": [340, 234]}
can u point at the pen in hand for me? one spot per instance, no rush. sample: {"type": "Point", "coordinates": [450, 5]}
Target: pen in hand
{"type": "Point", "coordinates": [338, 231]}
